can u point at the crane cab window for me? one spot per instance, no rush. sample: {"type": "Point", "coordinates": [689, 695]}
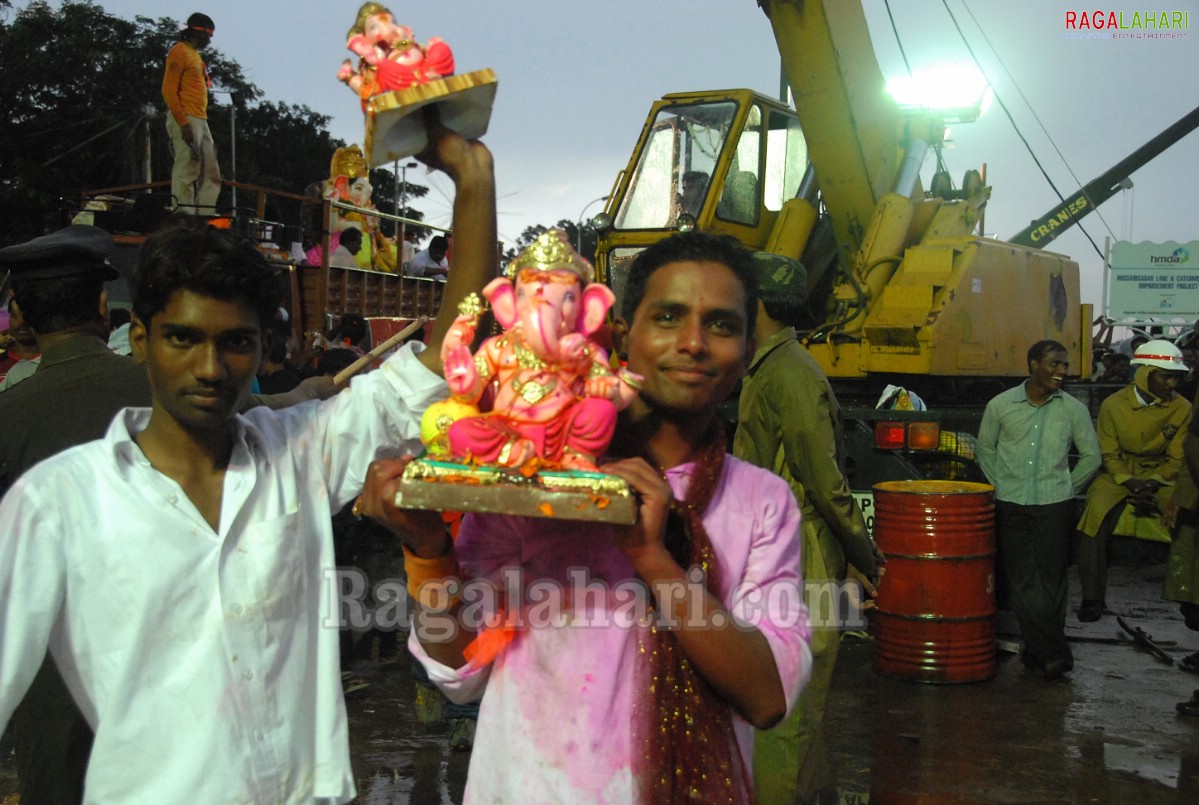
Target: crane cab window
{"type": "Point", "coordinates": [766, 167]}
{"type": "Point", "coordinates": [678, 159]}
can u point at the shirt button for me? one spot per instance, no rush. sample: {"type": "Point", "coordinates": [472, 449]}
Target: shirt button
{"type": "Point", "coordinates": [237, 609]}
{"type": "Point", "coordinates": [247, 675]}
{"type": "Point", "coordinates": [172, 498]}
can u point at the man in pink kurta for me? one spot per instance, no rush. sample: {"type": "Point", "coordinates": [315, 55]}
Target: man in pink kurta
{"type": "Point", "coordinates": [554, 725]}
{"type": "Point", "coordinates": [640, 655]}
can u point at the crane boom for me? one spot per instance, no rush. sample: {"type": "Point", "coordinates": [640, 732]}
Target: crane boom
{"type": "Point", "coordinates": [835, 79]}
{"type": "Point", "coordinates": [1070, 211]}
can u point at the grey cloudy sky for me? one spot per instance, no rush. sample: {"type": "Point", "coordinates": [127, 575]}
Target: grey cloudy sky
{"type": "Point", "coordinates": [576, 79]}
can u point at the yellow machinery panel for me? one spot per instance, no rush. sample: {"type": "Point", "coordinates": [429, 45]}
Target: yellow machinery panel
{"type": "Point", "coordinates": [990, 301]}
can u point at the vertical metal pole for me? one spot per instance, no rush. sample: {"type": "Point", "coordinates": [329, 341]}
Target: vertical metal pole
{"type": "Point", "coordinates": [233, 148]}
{"type": "Point", "coordinates": [395, 173]}
{"type": "Point", "coordinates": [402, 202]}
{"type": "Point", "coordinates": [1107, 267]}
{"type": "Point", "coordinates": [148, 165]}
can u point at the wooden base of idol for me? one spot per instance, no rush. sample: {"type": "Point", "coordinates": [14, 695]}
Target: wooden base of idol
{"type": "Point", "coordinates": [395, 126]}
{"type": "Point", "coordinates": [589, 496]}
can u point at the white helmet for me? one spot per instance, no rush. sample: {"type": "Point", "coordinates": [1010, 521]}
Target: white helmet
{"type": "Point", "coordinates": [1160, 354]}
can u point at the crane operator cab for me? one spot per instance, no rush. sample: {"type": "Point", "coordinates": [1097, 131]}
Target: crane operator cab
{"type": "Point", "coordinates": [724, 162]}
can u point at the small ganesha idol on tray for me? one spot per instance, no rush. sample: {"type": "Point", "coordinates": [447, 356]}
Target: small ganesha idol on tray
{"type": "Point", "coordinates": [396, 77]}
{"type": "Point", "coordinates": [531, 411]}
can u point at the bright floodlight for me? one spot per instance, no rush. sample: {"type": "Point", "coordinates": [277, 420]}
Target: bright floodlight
{"type": "Point", "coordinates": [958, 94]}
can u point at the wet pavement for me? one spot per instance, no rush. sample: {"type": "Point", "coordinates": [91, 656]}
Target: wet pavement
{"type": "Point", "coordinates": [1107, 733]}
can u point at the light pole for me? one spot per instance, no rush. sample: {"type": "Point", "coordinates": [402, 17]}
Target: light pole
{"type": "Point", "coordinates": [1125, 185]}
{"type": "Point", "coordinates": [232, 142]}
{"type": "Point", "coordinates": [401, 201]}
{"type": "Point", "coordinates": [579, 226]}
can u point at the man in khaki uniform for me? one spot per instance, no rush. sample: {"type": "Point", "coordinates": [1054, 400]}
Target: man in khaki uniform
{"type": "Point", "coordinates": [1141, 430]}
{"type": "Point", "coordinates": [789, 422]}
{"type": "Point", "coordinates": [1182, 569]}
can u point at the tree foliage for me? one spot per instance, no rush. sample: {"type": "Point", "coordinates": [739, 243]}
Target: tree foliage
{"type": "Point", "coordinates": [82, 93]}
{"type": "Point", "coordinates": [585, 247]}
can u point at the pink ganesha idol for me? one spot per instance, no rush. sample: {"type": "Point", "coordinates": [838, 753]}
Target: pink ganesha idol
{"type": "Point", "coordinates": [542, 394]}
{"type": "Point", "coordinates": [389, 57]}
{"type": "Point", "coordinates": [397, 78]}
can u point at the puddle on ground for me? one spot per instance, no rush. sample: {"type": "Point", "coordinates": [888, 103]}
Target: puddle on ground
{"type": "Point", "coordinates": [1131, 760]}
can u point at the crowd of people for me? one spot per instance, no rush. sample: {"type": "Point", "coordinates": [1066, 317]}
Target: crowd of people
{"type": "Point", "coordinates": [176, 487]}
{"type": "Point", "coordinates": [1133, 475]}
{"type": "Point", "coordinates": [218, 420]}
{"type": "Point", "coordinates": [167, 537]}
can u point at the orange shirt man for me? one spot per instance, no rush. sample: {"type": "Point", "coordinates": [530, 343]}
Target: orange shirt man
{"type": "Point", "coordinates": [196, 177]}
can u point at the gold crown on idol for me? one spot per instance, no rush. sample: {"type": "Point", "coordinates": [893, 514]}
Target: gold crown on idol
{"type": "Point", "coordinates": [550, 252]}
{"type": "Point", "coordinates": [348, 161]}
{"type": "Point", "coordinates": [365, 12]}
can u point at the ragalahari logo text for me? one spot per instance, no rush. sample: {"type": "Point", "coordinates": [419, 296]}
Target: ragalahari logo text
{"type": "Point", "coordinates": [1147, 24]}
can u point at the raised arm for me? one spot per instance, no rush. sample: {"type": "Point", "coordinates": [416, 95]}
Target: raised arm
{"type": "Point", "coordinates": [469, 165]}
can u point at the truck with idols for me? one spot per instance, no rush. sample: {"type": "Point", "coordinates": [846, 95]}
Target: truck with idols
{"type": "Point", "coordinates": [315, 292]}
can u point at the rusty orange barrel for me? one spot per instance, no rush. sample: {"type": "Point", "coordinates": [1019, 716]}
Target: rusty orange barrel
{"type": "Point", "coordinates": [936, 603]}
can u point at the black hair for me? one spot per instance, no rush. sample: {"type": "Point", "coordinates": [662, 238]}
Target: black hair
{"type": "Point", "coordinates": [334, 360]}
{"type": "Point", "coordinates": [698, 247]}
{"type": "Point", "coordinates": [118, 317]}
{"type": "Point", "coordinates": [191, 256]}
{"type": "Point", "coordinates": [1042, 348]}
{"type": "Point", "coordinates": [62, 303]}
{"type": "Point", "coordinates": [785, 310]}
{"type": "Point", "coordinates": [277, 336]}
{"type": "Point", "coordinates": [786, 304]}
{"type": "Point", "coordinates": [195, 22]}
{"type": "Point", "coordinates": [349, 235]}
{"type": "Point", "coordinates": [353, 327]}
{"type": "Point", "coordinates": [439, 241]}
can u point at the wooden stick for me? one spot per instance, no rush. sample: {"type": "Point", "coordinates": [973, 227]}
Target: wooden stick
{"type": "Point", "coordinates": [341, 378]}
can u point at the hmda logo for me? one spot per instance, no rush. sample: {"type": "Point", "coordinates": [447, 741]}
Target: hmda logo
{"type": "Point", "coordinates": [1176, 257]}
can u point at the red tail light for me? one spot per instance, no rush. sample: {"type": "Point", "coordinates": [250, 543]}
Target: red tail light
{"type": "Point", "coordinates": [888, 435]}
{"type": "Point", "coordinates": [912, 435]}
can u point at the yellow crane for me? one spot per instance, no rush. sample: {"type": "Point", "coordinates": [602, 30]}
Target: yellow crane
{"type": "Point", "coordinates": [900, 285]}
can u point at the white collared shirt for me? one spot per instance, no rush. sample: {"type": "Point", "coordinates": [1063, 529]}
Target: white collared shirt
{"type": "Point", "coordinates": [207, 662]}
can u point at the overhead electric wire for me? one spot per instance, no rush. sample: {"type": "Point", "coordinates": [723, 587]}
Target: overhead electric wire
{"type": "Point", "coordinates": [77, 146]}
{"type": "Point", "coordinates": [898, 42]}
{"type": "Point", "coordinates": [1012, 120]}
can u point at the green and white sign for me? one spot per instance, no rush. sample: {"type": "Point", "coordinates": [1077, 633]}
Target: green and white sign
{"type": "Point", "coordinates": [1153, 281]}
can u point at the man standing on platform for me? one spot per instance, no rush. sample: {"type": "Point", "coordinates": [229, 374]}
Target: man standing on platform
{"type": "Point", "coordinates": [1024, 448]}
{"type": "Point", "coordinates": [196, 177]}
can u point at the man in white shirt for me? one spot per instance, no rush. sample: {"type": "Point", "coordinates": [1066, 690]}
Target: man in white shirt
{"type": "Point", "coordinates": [180, 570]}
{"type": "Point", "coordinates": [431, 262]}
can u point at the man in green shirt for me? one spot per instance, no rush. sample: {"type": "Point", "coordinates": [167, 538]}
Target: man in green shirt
{"type": "Point", "coordinates": [1024, 448]}
{"type": "Point", "coordinates": [789, 422]}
